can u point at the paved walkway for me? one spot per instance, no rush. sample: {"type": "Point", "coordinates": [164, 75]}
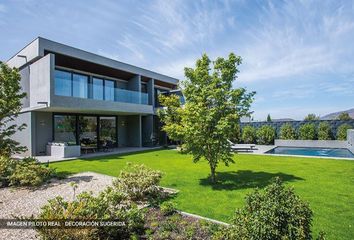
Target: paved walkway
{"type": "Point", "coordinates": [259, 149]}
{"type": "Point", "coordinates": [121, 150]}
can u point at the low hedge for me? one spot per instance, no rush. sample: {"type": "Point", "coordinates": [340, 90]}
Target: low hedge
{"type": "Point", "coordinates": [23, 172]}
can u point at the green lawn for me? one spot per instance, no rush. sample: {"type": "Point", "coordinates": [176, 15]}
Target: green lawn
{"type": "Point", "coordinates": [328, 185]}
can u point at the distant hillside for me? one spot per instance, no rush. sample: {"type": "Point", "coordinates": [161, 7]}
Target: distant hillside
{"type": "Point", "coordinates": [334, 115]}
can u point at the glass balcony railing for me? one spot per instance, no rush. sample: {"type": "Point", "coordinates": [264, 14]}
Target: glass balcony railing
{"type": "Point", "coordinates": [78, 85]}
{"type": "Point", "coordinates": [123, 95]}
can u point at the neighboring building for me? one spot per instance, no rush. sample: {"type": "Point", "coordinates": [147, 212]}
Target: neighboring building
{"type": "Point", "coordinates": [82, 98]}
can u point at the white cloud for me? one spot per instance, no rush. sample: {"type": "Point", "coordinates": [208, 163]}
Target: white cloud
{"type": "Point", "coordinates": [294, 40]}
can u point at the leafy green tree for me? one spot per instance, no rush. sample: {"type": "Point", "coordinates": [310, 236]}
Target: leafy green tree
{"type": "Point", "coordinates": [307, 131]}
{"type": "Point", "coordinates": [269, 119]}
{"type": "Point", "coordinates": [266, 135]}
{"type": "Point", "coordinates": [344, 116]}
{"type": "Point", "coordinates": [342, 131]}
{"type": "Point", "coordinates": [311, 117]}
{"type": "Point", "coordinates": [287, 132]}
{"type": "Point", "coordinates": [324, 131]}
{"type": "Point", "coordinates": [236, 134]}
{"type": "Point", "coordinates": [210, 113]}
{"type": "Point", "coordinates": [249, 134]}
{"type": "Point", "coordinates": [274, 213]}
{"type": "Point", "coordinates": [10, 107]}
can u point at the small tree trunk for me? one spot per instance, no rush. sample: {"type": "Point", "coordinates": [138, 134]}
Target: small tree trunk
{"type": "Point", "coordinates": [212, 174]}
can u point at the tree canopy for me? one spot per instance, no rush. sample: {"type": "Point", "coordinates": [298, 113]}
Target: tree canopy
{"type": "Point", "coordinates": [10, 106]}
{"type": "Point", "coordinates": [212, 109]}
{"type": "Point", "coordinates": [344, 116]}
{"type": "Point", "coordinates": [311, 117]}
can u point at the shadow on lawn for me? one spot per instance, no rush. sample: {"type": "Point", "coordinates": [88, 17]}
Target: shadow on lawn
{"type": "Point", "coordinates": [245, 179]}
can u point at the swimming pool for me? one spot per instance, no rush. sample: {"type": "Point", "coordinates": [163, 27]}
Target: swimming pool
{"type": "Point", "coordinates": [320, 152]}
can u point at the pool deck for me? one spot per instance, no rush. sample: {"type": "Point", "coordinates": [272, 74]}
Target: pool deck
{"type": "Point", "coordinates": [262, 149]}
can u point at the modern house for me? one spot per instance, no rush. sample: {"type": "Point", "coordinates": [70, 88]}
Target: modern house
{"type": "Point", "coordinates": [81, 98]}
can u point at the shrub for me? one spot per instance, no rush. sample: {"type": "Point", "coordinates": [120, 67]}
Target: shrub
{"type": "Point", "coordinates": [342, 131]}
{"type": "Point", "coordinates": [108, 205]}
{"type": "Point", "coordinates": [30, 172]}
{"type": "Point", "coordinates": [176, 226]}
{"type": "Point", "coordinates": [324, 131]}
{"type": "Point", "coordinates": [266, 135]}
{"type": "Point", "coordinates": [168, 208]}
{"type": "Point", "coordinates": [287, 132]}
{"type": "Point", "coordinates": [275, 213]}
{"type": "Point", "coordinates": [307, 131]}
{"type": "Point", "coordinates": [248, 134]}
{"type": "Point", "coordinates": [7, 167]}
{"type": "Point", "coordinates": [138, 182]}
{"type": "Point", "coordinates": [24, 172]}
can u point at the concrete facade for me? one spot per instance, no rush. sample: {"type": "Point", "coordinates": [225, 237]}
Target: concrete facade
{"type": "Point", "coordinates": [38, 62]}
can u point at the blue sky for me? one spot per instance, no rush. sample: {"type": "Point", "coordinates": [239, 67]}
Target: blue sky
{"type": "Point", "coordinates": [297, 55]}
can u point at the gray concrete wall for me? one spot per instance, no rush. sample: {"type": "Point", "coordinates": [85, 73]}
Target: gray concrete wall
{"type": "Point", "coordinates": [134, 84]}
{"type": "Point", "coordinates": [122, 131]}
{"type": "Point", "coordinates": [350, 140]}
{"type": "Point", "coordinates": [31, 52]}
{"type": "Point", "coordinates": [311, 143]}
{"type": "Point", "coordinates": [25, 86]}
{"type": "Point", "coordinates": [147, 130]}
{"type": "Point", "coordinates": [151, 92]}
{"type": "Point", "coordinates": [41, 80]}
{"type": "Point", "coordinates": [134, 138]}
{"type": "Point", "coordinates": [44, 131]}
{"type": "Point", "coordinates": [26, 136]}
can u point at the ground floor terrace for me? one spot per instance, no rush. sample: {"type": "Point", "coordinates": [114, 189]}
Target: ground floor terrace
{"type": "Point", "coordinates": [92, 132]}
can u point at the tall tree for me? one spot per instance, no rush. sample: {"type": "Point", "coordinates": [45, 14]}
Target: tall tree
{"type": "Point", "coordinates": [10, 106]}
{"type": "Point", "coordinates": [212, 108]}
{"type": "Point", "coordinates": [269, 119]}
{"type": "Point", "coordinates": [344, 116]}
{"type": "Point", "coordinates": [311, 117]}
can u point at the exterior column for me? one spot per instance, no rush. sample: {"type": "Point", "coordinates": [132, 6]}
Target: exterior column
{"type": "Point", "coordinates": [151, 92]}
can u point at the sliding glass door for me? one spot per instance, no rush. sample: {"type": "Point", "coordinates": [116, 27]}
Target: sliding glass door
{"type": "Point", "coordinates": [91, 132]}
{"type": "Point", "coordinates": [108, 132]}
{"type": "Point", "coordinates": [88, 132]}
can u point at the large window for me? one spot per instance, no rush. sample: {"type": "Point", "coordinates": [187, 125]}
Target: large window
{"type": "Point", "coordinates": [97, 88]}
{"type": "Point", "coordinates": [80, 83]}
{"type": "Point", "coordinates": [88, 132]}
{"type": "Point", "coordinates": [63, 84]}
{"type": "Point", "coordinates": [65, 129]}
{"type": "Point", "coordinates": [109, 90]}
{"type": "Point", "coordinates": [108, 132]}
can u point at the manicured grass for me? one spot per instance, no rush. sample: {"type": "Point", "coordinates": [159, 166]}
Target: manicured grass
{"type": "Point", "coordinates": [328, 185]}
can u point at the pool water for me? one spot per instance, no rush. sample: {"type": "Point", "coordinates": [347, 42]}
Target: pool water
{"type": "Point", "coordinates": [321, 152]}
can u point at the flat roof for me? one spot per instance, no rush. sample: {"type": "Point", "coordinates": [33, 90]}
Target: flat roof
{"type": "Point", "coordinates": [40, 45]}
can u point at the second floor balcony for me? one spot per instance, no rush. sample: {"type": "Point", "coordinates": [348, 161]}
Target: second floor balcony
{"type": "Point", "coordinates": [78, 85]}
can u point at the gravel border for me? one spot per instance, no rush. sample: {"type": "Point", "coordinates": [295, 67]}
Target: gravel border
{"type": "Point", "coordinates": [28, 201]}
